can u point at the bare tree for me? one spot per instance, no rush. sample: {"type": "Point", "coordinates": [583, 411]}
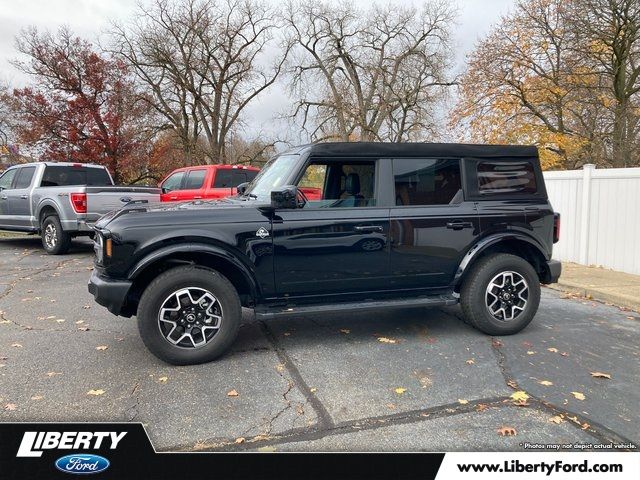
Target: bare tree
{"type": "Point", "coordinates": [607, 39]}
{"type": "Point", "coordinates": [201, 61]}
{"type": "Point", "coordinates": [370, 74]}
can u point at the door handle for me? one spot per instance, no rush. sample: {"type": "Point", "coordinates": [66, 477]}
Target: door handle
{"type": "Point", "coordinates": [459, 225]}
{"type": "Point", "coordinates": [24, 197]}
{"type": "Point", "coordinates": [197, 197]}
{"type": "Point", "coordinates": [369, 228]}
{"type": "Point", "coordinates": [3, 197]}
{"type": "Point", "coordinates": [125, 199]}
{"type": "Point", "coordinates": [173, 198]}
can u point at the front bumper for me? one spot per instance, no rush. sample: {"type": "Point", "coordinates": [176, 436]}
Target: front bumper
{"type": "Point", "coordinates": [553, 271]}
{"type": "Point", "coordinates": [108, 292]}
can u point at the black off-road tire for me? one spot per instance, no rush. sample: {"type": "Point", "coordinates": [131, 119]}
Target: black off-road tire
{"type": "Point", "coordinates": [473, 292]}
{"type": "Point", "coordinates": [55, 241]}
{"type": "Point", "coordinates": [185, 277]}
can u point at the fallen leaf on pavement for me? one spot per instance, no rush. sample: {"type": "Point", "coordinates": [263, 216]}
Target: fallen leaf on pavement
{"type": "Point", "coordinates": [86, 307]}
{"type": "Point", "coordinates": [83, 329]}
{"type": "Point", "coordinates": [400, 390]}
{"type": "Point", "coordinates": [345, 331]}
{"type": "Point", "coordinates": [79, 322]}
{"type": "Point", "coordinates": [267, 449]}
{"type": "Point", "coordinates": [163, 379]}
{"type": "Point", "coordinates": [600, 375]}
{"type": "Point", "coordinates": [578, 395]}
{"type": "Point", "coordinates": [496, 343]}
{"type": "Point", "coordinates": [546, 383]}
{"type": "Point", "coordinates": [239, 440]}
{"type": "Point", "coordinates": [564, 354]}
{"type": "Point", "coordinates": [51, 374]}
{"type": "Point", "coordinates": [10, 406]}
{"type": "Point", "coordinates": [391, 406]}
{"type": "Point", "coordinates": [512, 384]}
{"type": "Point", "coordinates": [37, 397]}
{"type": "Point", "coordinates": [387, 340]}
{"type": "Point", "coordinates": [531, 352]}
{"type": "Point", "coordinates": [16, 345]}
{"type": "Point", "coordinates": [553, 350]}
{"type": "Point", "coordinates": [95, 392]}
{"type": "Point", "coordinates": [102, 347]}
{"type": "Point", "coordinates": [519, 396]}
{"type": "Point", "coordinates": [313, 390]}
{"type": "Point", "coordinates": [481, 407]}
{"type": "Point", "coordinates": [462, 401]}
{"type": "Point", "coordinates": [232, 393]}
{"type": "Point", "coordinates": [60, 320]}
{"type": "Point", "coordinates": [470, 361]}
{"type": "Point", "coordinates": [280, 368]}
{"type": "Point", "coordinates": [585, 425]}
{"type": "Point", "coordinates": [556, 419]}
{"type": "Point", "coordinates": [507, 431]}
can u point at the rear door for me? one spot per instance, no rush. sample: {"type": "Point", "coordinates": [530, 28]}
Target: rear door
{"type": "Point", "coordinates": [337, 243]}
{"type": "Point", "coordinates": [432, 224]}
{"type": "Point", "coordinates": [18, 198]}
{"type": "Point", "coordinates": [192, 187]}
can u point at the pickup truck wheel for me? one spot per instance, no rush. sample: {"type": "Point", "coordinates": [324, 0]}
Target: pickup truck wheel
{"type": "Point", "coordinates": [54, 240]}
{"type": "Point", "coordinates": [189, 315]}
{"type": "Point", "coordinates": [500, 295]}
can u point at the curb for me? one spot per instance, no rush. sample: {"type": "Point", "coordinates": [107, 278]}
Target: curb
{"type": "Point", "coordinates": [618, 299]}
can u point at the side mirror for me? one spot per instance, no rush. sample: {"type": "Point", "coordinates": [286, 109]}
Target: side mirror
{"type": "Point", "coordinates": [285, 197]}
{"type": "Point", "coordinates": [242, 188]}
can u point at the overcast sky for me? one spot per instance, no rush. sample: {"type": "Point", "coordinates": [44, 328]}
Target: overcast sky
{"type": "Point", "coordinates": [90, 18]}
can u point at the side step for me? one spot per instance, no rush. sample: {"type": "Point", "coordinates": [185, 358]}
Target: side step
{"type": "Point", "coordinates": [265, 312]}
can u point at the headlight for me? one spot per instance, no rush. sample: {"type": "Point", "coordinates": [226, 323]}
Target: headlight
{"type": "Point", "coordinates": [98, 247]}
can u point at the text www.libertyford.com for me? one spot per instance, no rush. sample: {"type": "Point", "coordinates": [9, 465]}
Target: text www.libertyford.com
{"type": "Point", "coordinates": [516, 466]}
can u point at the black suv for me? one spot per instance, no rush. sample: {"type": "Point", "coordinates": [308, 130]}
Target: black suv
{"type": "Point", "coordinates": [335, 227]}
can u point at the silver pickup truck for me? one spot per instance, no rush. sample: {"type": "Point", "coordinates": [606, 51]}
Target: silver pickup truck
{"type": "Point", "coordinates": [60, 201]}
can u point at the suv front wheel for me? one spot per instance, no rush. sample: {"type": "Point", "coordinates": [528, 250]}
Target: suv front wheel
{"type": "Point", "coordinates": [501, 294]}
{"type": "Point", "coordinates": [189, 315]}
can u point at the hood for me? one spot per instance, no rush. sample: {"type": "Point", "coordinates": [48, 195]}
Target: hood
{"type": "Point", "coordinates": [179, 212]}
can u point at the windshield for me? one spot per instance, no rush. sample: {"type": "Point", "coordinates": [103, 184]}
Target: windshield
{"type": "Point", "coordinates": [273, 175]}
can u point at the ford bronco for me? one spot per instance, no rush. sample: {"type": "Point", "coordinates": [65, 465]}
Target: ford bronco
{"type": "Point", "coordinates": [389, 225]}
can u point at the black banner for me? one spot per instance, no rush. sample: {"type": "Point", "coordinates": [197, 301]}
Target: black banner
{"type": "Point", "coordinates": [123, 450]}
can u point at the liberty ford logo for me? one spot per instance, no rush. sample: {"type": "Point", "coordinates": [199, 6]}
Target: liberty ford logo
{"type": "Point", "coordinates": [262, 232]}
{"type": "Point", "coordinates": [82, 463]}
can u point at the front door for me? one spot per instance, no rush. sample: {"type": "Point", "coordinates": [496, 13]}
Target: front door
{"type": "Point", "coordinates": [338, 242]}
{"type": "Point", "coordinates": [432, 226]}
{"type": "Point", "coordinates": [6, 184]}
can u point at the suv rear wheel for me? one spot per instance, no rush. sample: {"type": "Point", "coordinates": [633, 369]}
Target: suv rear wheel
{"type": "Point", "coordinates": [54, 240]}
{"type": "Point", "coordinates": [189, 315]}
{"type": "Point", "coordinates": [501, 294]}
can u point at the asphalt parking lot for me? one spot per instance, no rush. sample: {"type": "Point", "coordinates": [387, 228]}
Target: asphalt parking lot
{"type": "Point", "coordinates": [395, 381]}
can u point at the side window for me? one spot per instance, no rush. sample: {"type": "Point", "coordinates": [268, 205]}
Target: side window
{"type": "Point", "coordinates": [223, 179]}
{"type": "Point", "coordinates": [506, 177]}
{"type": "Point", "coordinates": [7, 178]}
{"type": "Point", "coordinates": [195, 179]}
{"type": "Point", "coordinates": [426, 181]}
{"type": "Point", "coordinates": [24, 177]}
{"type": "Point", "coordinates": [173, 182]}
{"type": "Point", "coordinates": [339, 184]}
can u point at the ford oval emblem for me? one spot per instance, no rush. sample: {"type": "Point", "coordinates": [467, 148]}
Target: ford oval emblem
{"type": "Point", "coordinates": [82, 463]}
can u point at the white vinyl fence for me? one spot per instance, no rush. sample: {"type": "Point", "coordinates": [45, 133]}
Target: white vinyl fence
{"type": "Point", "coordinates": [600, 223]}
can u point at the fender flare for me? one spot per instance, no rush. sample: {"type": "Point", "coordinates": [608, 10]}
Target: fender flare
{"type": "Point", "coordinates": [476, 250]}
{"type": "Point", "coordinates": [213, 250]}
{"type": "Point", "coordinates": [46, 203]}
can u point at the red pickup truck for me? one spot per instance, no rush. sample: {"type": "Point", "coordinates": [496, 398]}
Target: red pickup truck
{"type": "Point", "coordinates": [205, 181]}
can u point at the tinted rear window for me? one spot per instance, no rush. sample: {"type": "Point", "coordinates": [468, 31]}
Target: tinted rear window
{"type": "Point", "coordinates": [229, 178]}
{"type": "Point", "coordinates": [426, 181]}
{"type": "Point", "coordinates": [64, 176]}
{"type": "Point", "coordinates": [506, 177]}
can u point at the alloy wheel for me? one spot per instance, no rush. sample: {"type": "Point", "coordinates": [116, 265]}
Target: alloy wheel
{"type": "Point", "coordinates": [507, 295]}
{"type": "Point", "coordinates": [190, 317]}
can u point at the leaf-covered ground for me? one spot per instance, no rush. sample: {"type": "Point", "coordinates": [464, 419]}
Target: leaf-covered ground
{"type": "Point", "coordinates": [403, 380]}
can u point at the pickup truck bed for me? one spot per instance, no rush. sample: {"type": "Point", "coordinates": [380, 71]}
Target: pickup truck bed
{"type": "Point", "coordinates": [74, 195]}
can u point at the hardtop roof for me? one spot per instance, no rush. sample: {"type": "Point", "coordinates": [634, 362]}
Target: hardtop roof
{"type": "Point", "coordinates": [417, 149]}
